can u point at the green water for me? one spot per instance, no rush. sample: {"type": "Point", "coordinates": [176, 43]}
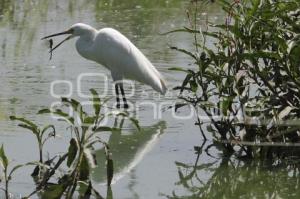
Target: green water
{"type": "Point", "coordinates": [158, 162]}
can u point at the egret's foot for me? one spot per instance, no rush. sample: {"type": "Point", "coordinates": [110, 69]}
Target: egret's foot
{"type": "Point", "coordinates": [126, 106]}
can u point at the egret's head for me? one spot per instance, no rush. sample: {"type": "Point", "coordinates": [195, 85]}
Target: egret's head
{"type": "Point", "coordinates": [78, 29]}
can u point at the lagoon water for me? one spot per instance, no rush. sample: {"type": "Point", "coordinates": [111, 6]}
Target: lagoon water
{"type": "Point", "coordinates": [157, 162]}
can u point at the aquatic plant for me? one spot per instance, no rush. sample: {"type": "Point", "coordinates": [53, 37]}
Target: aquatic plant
{"type": "Point", "coordinates": [7, 172]}
{"type": "Point", "coordinates": [246, 76]}
{"type": "Point", "coordinates": [48, 131]}
{"type": "Point", "coordinates": [75, 165]}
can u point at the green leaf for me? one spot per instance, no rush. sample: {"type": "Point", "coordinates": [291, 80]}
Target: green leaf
{"type": "Point", "coordinates": [21, 119]}
{"type": "Point", "coordinates": [75, 104]}
{"type": "Point", "coordinates": [194, 85]}
{"type": "Point", "coordinates": [83, 188]}
{"type": "Point", "coordinates": [185, 29]}
{"type": "Point", "coordinates": [86, 189]}
{"type": "Point", "coordinates": [88, 192]}
{"type": "Point", "coordinates": [211, 34]}
{"type": "Point", "coordinates": [97, 194]}
{"type": "Point", "coordinates": [50, 126]}
{"type": "Point", "coordinates": [43, 111]}
{"type": "Point", "coordinates": [226, 104]}
{"type": "Point", "coordinates": [33, 130]}
{"type": "Point", "coordinates": [135, 122]}
{"type": "Point", "coordinates": [96, 101]}
{"type": "Point", "coordinates": [103, 128]}
{"type": "Point", "coordinates": [14, 169]}
{"type": "Point", "coordinates": [72, 151]}
{"type": "Point", "coordinates": [210, 128]}
{"type": "Point", "coordinates": [109, 193]}
{"type": "Point", "coordinates": [178, 69]}
{"type": "Point", "coordinates": [177, 106]}
{"type": "Point", "coordinates": [89, 120]}
{"type": "Point", "coordinates": [109, 170]}
{"type": "Point", "coordinates": [285, 112]}
{"type": "Point", "coordinates": [53, 191]}
{"type": "Point", "coordinates": [26, 124]}
{"type": "Point", "coordinates": [59, 113]}
{"type": "Point", "coordinates": [63, 115]}
{"type": "Point", "coordinates": [84, 169]}
{"type": "Point", "coordinates": [90, 158]}
{"type": "Point", "coordinates": [3, 157]}
{"type": "Point", "coordinates": [185, 52]}
{"type": "Point", "coordinates": [185, 81]}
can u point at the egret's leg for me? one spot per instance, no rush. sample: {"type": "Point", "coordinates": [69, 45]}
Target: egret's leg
{"type": "Point", "coordinates": [117, 94]}
{"type": "Point", "coordinates": [123, 95]}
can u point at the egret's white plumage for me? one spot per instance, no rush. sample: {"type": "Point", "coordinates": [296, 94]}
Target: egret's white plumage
{"type": "Point", "coordinates": [114, 51]}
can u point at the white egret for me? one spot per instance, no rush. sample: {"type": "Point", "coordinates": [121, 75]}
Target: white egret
{"type": "Point", "coordinates": [115, 52]}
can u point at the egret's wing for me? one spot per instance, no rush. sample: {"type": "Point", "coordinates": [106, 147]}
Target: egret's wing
{"type": "Point", "coordinates": [125, 60]}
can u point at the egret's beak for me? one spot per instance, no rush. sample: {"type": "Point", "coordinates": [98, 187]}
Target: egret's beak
{"type": "Point", "coordinates": [70, 31]}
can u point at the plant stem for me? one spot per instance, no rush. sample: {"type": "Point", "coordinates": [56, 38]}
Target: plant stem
{"type": "Point", "coordinates": [6, 183]}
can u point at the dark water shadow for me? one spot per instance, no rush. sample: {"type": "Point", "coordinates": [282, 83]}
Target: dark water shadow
{"type": "Point", "coordinates": [229, 177]}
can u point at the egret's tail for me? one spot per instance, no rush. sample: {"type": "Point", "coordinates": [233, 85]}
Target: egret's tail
{"type": "Point", "coordinates": [159, 84]}
{"type": "Point", "coordinates": [157, 81]}
{"type": "Point", "coordinates": [163, 89]}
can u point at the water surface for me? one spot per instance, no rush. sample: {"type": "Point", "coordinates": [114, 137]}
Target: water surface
{"type": "Point", "coordinates": [149, 164]}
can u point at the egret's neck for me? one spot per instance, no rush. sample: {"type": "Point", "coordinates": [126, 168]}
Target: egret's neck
{"type": "Point", "coordinates": [84, 44]}
{"type": "Point", "coordinates": [89, 35]}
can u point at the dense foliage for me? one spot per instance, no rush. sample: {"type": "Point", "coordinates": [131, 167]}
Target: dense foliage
{"type": "Point", "coordinates": [246, 76]}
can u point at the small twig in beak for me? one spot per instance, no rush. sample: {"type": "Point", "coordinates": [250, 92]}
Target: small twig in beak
{"type": "Point", "coordinates": [51, 45]}
{"type": "Point", "coordinates": [52, 49]}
